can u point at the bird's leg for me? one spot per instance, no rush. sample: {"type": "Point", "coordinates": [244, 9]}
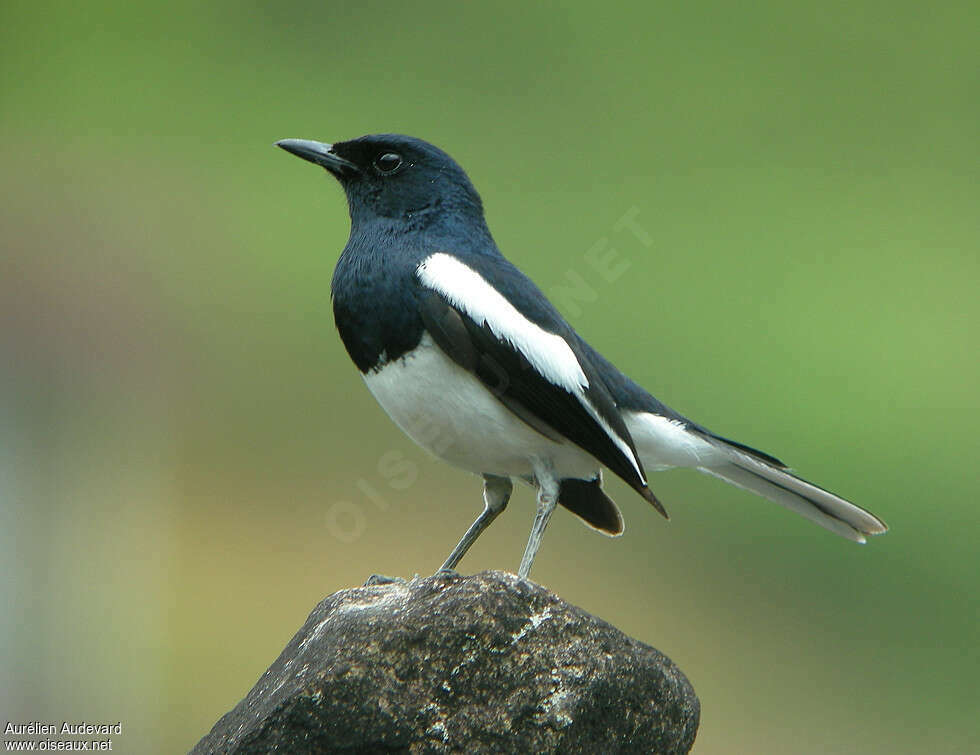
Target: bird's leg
{"type": "Point", "coordinates": [496, 494]}
{"type": "Point", "coordinates": [547, 500]}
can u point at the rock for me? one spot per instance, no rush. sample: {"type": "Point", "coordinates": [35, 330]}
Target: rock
{"type": "Point", "coordinates": [488, 663]}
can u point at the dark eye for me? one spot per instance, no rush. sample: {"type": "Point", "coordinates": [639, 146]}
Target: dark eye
{"type": "Point", "coordinates": [389, 162]}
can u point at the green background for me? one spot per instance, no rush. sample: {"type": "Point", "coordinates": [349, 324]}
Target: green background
{"type": "Point", "coordinates": [189, 462]}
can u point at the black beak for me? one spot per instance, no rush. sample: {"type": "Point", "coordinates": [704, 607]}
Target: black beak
{"type": "Point", "coordinates": [319, 153]}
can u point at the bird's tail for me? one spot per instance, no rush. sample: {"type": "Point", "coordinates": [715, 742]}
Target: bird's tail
{"type": "Point", "coordinates": [758, 474]}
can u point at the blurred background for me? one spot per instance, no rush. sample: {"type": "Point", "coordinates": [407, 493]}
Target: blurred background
{"type": "Point", "coordinates": [189, 462]}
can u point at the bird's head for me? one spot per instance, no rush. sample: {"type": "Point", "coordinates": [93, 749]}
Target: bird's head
{"type": "Point", "coordinates": [393, 176]}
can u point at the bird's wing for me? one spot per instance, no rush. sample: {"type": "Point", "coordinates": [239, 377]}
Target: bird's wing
{"type": "Point", "coordinates": [496, 324]}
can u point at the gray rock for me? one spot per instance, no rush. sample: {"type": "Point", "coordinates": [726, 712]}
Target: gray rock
{"type": "Point", "coordinates": [488, 663]}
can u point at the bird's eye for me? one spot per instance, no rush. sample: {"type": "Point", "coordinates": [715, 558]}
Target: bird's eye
{"type": "Point", "coordinates": [389, 162]}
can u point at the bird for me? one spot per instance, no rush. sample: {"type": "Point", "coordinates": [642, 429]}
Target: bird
{"type": "Point", "coordinates": [474, 363]}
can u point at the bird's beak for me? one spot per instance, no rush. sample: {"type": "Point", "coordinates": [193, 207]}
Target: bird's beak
{"type": "Point", "coordinates": [318, 152]}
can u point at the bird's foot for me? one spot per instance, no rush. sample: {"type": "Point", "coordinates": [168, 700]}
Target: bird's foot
{"type": "Point", "coordinates": [445, 573]}
{"type": "Point", "coordinates": [381, 579]}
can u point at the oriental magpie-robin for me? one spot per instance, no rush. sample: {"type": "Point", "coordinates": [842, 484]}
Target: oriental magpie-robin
{"type": "Point", "coordinates": [470, 359]}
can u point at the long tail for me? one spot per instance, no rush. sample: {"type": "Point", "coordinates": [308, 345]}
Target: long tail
{"type": "Point", "coordinates": [756, 473]}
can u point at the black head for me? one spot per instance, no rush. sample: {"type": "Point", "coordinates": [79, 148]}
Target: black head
{"type": "Point", "coordinates": [393, 176]}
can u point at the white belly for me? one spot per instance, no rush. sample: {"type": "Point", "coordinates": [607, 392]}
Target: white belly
{"type": "Point", "coordinates": [447, 411]}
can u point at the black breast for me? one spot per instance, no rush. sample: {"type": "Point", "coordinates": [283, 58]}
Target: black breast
{"type": "Point", "coordinates": [374, 306]}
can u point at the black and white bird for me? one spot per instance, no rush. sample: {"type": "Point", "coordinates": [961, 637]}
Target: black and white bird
{"type": "Point", "coordinates": [472, 362]}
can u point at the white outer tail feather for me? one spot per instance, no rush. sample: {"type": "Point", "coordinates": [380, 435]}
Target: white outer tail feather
{"type": "Point", "coordinates": [816, 504]}
{"type": "Point", "coordinates": [664, 443]}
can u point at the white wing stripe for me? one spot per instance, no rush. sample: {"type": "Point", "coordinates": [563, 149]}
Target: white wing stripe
{"type": "Point", "coordinates": [467, 290]}
{"type": "Point", "coordinates": [548, 353]}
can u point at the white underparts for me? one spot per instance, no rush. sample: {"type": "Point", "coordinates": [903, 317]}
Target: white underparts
{"type": "Point", "coordinates": [449, 412]}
